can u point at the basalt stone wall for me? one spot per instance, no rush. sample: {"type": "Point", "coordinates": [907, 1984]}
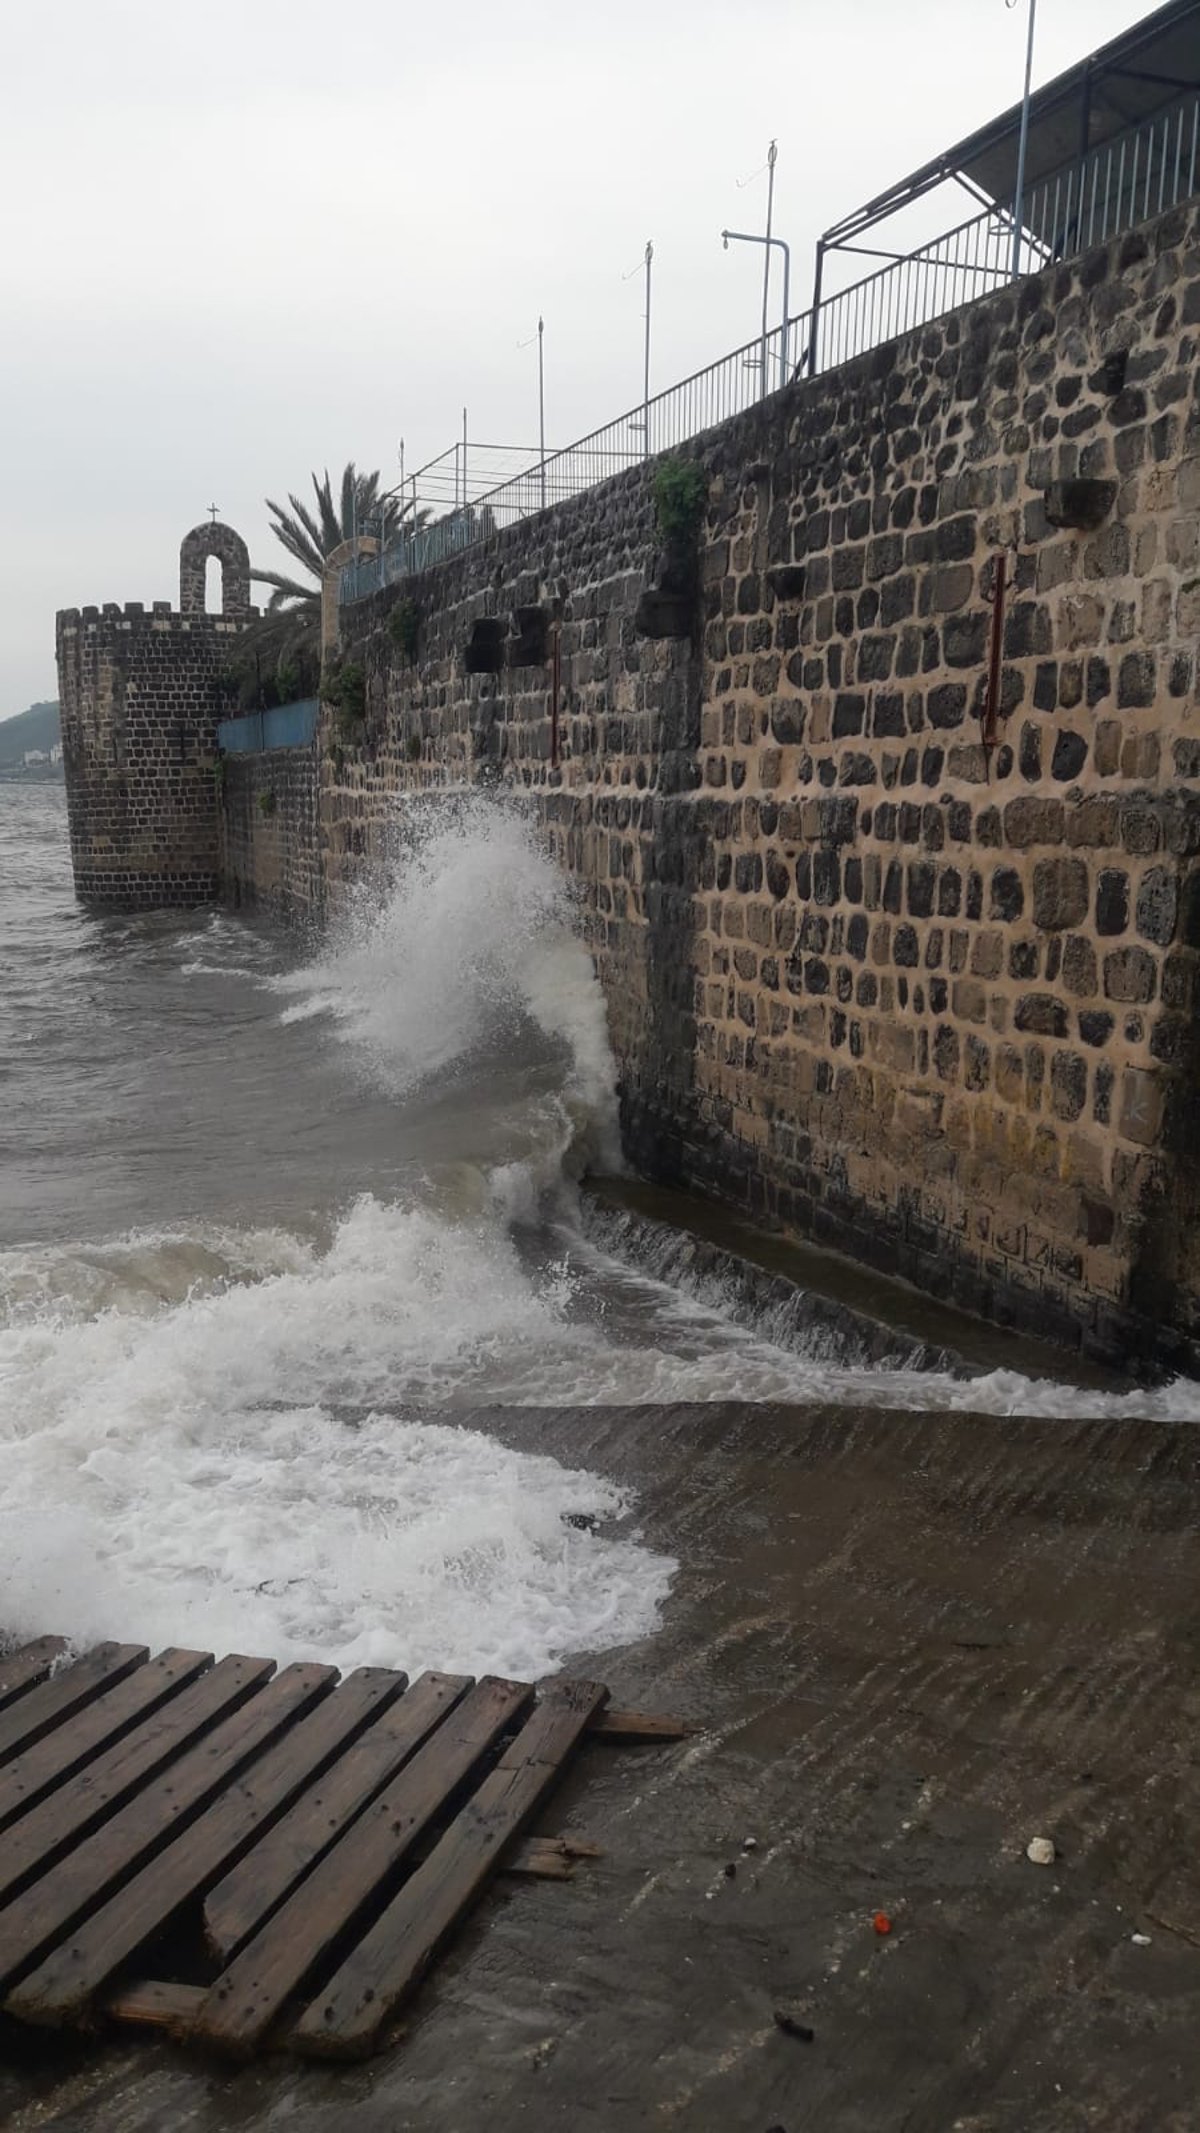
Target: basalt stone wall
{"type": "Point", "coordinates": [139, 723]}
{"type": "Point", "coordinates": [268, 818]}
{"type": "Point", "coordinates": [871, 977]}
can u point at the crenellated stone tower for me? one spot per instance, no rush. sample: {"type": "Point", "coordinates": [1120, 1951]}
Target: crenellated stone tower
{"type": "Point", "coordinates": [140, 708]}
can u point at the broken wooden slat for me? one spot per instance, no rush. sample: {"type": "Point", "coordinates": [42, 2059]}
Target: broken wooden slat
{"type": "Point", "coordinates": [245, 1898]}
{"type": "Point", "coordinates": [31, 1926]}
{"type": "Point", "coordinates": [33, 1716]}
{"type": "Point", "coordinates": [349, 2014]}
{"type": "Point", "coordinates": [156, 2004]}
{"type": "Point", "coordinates": [540, 1858]}
{"type": "Point", "coordinates": [106, 1783]}
{"type": "Point", "coordinates": [637, 1725]}
{"type": "Point", "coordinates": [23, 1669]}
{"type": "Point", "coordinates": [74, 1971]}
{"type": "Point", "coordinates": [37, 1770]}
{"type": "Point", "coordinates": [272, 1966]}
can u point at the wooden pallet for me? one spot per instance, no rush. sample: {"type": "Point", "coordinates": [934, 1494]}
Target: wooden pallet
{"type": "Point", "coordinates": [286, 1852]}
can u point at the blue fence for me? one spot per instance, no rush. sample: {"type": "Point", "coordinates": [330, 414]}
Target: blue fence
{"type": "Point", "coordinates": [288, 726]}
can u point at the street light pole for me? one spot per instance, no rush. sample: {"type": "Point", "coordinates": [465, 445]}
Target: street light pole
{"type": "Point", "coordinates": [542, 403]}
{"type": "Point", "coordinates": [540, 337]}
{"type": "Point", "coordinates": [646, 369]}
{"type": "Point", "coordinates": [644, 424]}
{"type": "Point", "coordinates": [729, 237]}
{"type": "Point", "coordinates": [772, 152]}
{"type": "Point", "coordinates": [1019, 196]}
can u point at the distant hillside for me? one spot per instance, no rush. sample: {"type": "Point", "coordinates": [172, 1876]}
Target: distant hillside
{"type": "Point", "coordinates": [35, 728]}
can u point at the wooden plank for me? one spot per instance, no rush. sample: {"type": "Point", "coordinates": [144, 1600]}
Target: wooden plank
{"type": "Point", "coordinates": [637, 1725]}
{"type": "Point", "coordinates": [32, 1924]}
{"type": "Point", "coordinates": [245, 1898]}
{"type": "Point", "coordinates": [103, 1786]}
{"type": "Point", "coordinates": [246, 2001]}
{"type": "Point", "coordinates": [549, 1856]}
{"type": "Point", "coordinates": [22, 1669]}
{"type": "Point", "coordinates": [37, 1770]}
{"type": "Point", "coordinates": [348, 2016]}
{"type": "Point", "coordinates": [156, 2004]}
{"type": "Point", "coordinates": [539, 1859]}
{"type": "Point", "coordinates": [62, 1985]}
{"type": "Point", "coordinates": [33, 1716]}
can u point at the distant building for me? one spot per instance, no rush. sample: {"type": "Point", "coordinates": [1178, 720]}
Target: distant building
{"type": "Point", "coordinates": [34, 756]}
{"type": "Point", "coordinates": [56, 752]}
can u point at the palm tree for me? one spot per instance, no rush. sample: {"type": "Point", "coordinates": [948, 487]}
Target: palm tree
{"type": "Point", "coordinates": [309, 537]}
{"type": "Point", "coordinates": [279, 656]}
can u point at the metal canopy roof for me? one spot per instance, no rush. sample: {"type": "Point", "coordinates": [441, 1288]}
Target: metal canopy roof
{"type": "Point", "coordinates": [1122, 84]}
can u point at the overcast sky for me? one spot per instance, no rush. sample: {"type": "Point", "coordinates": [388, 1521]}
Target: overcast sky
{"type": "Point", "coordinates": [244, 238]}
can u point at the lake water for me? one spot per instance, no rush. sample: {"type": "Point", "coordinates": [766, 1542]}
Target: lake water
{"type": "Point", "coordinates": [275, 1212]}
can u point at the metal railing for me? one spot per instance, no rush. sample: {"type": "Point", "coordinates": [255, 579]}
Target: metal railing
{"type": "Point", "coordinates": [1139, 174]}
{"type": "Point", "coordinates": [698, 403]}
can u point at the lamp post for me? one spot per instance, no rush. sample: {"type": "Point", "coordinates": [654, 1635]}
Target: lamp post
{"type": "Point", "coordinates": [729, 237]}
{"type": "Point", "coordinates": [541, 338]}
{"type": "Point", "coordinates": [644, 424]}
{"type": "Point", "coordinates": [1023, 144]}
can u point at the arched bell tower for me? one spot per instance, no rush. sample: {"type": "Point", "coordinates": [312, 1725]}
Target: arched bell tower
{"type": "Point", "coordinates": [233, 556]}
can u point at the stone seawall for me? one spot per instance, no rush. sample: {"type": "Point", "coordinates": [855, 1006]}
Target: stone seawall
{"type": "Point", "coordinates": [269, 843]}
{"type": "Point", "coordinates": [869, 977]}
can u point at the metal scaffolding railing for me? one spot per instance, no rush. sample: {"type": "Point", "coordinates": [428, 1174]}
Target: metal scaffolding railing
{"type": "Point", "coordinates": [1140, 173]}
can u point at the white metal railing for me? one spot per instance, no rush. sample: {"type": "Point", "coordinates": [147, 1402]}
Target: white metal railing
{"type": "Point", "coordinates": [1125, 181]}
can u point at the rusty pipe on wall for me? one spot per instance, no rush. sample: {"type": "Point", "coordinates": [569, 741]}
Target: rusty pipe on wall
{"type": "Point", "coordinates": [555, 680]}
{"type": "Point", "coordinates": [991, 705]}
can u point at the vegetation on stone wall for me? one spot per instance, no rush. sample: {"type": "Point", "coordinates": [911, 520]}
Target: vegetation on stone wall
{"type": "Point", "coordinates": [262, 671]}
{"type": "Point", "coordinates": [267, 802]}
{"type": "Point", "coordinates": [680, 497]}
{"type": "Point", "coordinates": [404, 628]}
{"type": "Point", "coordinates": [344, 686]}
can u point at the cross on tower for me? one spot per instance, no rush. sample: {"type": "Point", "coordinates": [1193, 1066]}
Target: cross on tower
{"type": "Point", "coordinates": [212, 512]}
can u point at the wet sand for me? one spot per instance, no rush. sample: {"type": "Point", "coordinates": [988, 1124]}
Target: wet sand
{"type": "Point", "coordinates": [911, 1644]}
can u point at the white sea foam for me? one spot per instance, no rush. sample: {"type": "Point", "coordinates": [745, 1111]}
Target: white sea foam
{"type": "Point", "coordinates": [435, 968]}
{"type": "Point", "coordinates": [188, 1467]}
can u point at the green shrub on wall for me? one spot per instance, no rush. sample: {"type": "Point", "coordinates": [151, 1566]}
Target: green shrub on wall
{"type": "Point", "coordinates": [267, 803]}
{"type": "Point", "coordinates": [344, 685]}
{"type": "Point", "coordinates": [680, 497]}
{"type": "Point", "coordinates": [404, 628]}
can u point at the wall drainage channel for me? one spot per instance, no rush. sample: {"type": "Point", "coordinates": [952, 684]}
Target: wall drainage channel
{"type": "Point", "coordinates": [804, 1297]}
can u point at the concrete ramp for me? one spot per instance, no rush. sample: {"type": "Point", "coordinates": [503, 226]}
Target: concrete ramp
{"type": "Point", "coordinates": [911, 1643]}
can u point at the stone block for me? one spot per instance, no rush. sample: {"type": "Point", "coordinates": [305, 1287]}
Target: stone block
{"type": "Point", "coordinates": [1158, 906]}
{"type": "Point", "coordinates": [1060, 892]}
{"type": "Point", "coordinates": [1129, 975]}
{"type": "Point", "coordinates": [1141, 1106]}
{"type": "Point", "coordinates": [1079, 969]}
{"type": "Point", "coordinates": [1041, 1014]}
{"type": "Point", "coordinates": [1112, 901]}
{"type": "Point", "coordinates": [1080, 503]}
{"type": "Point", "coordinates": [946, 705]}
{"type": "Point", "coordinates": [1029, 821]}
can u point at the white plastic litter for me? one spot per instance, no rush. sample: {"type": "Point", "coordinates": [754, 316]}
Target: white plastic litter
{"type": "Point", "coordinates": [1040, 1851]}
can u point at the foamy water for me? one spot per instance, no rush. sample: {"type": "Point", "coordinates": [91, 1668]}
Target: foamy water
{"type": "Point", "coordinates": [270, 1228]}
